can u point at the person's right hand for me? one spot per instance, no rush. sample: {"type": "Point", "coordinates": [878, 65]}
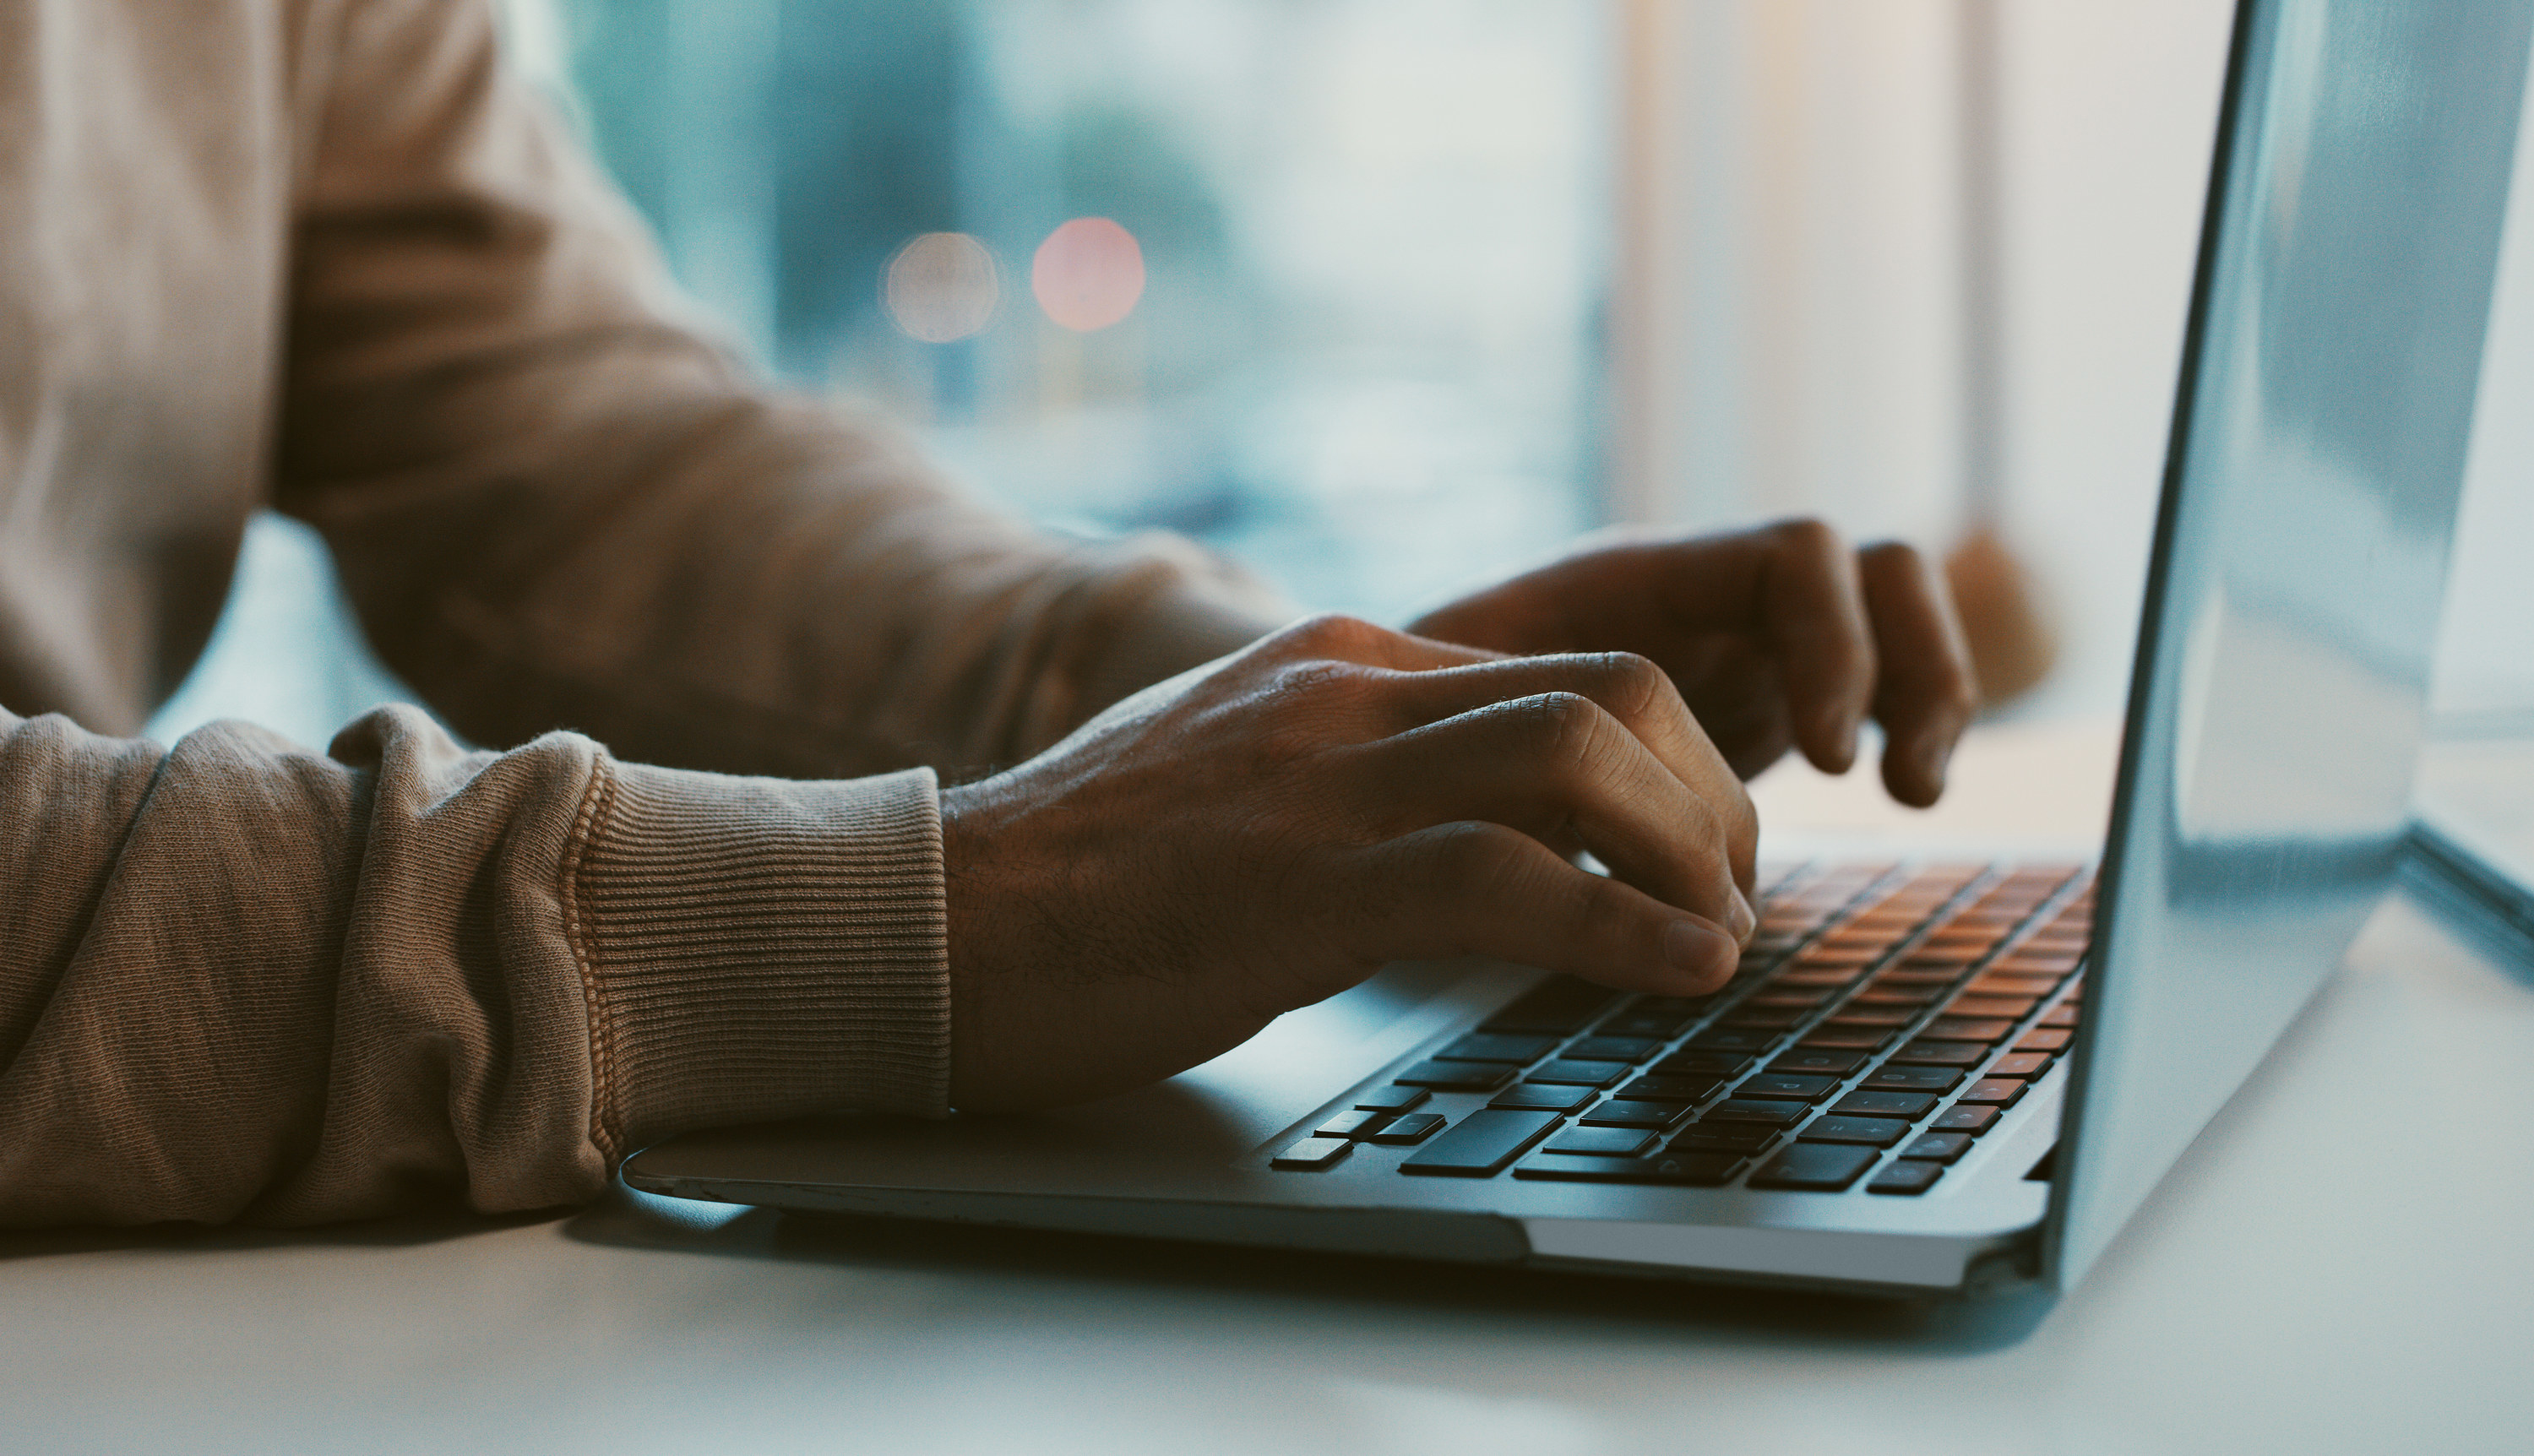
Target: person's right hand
{"type": "Point", "coordinates": [1267, 831]}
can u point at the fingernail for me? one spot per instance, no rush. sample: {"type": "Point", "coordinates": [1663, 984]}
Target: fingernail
{"type": "Point", "coordinates": [1698, 948]}
{"type": "Point", "coordinates": [1745, 920]}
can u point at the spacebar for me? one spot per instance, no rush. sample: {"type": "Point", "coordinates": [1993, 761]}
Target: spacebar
{"type": "Point", "coordinates": [1484, 1142]}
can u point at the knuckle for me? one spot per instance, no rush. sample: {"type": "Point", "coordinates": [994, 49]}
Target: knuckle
{"type": "Point", "coordinates": [1633, 684]}
{"type": "Point", "coordinates": [1898, 557]}
{"type": "Point", "coordinates": [1743, 820]}
{"type": "Point", "coordinates": [1317, 679]}
{"type": "Point", "coordinates": [1479, 857]}
{"type": "Point", "coordinates": [1331, 633]}
{"type": "Point", "coordinates": [1807, 535]}
{"type": "Point", "coordinates": [1560, 727]}
{"type": "Point", "coordinates": [1585, 908]}
{"type": "Point", "coordinates": [1959, 697]}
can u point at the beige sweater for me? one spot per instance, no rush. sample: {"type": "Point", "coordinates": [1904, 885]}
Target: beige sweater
{"type": "Point", "coordinates": [328, 255]}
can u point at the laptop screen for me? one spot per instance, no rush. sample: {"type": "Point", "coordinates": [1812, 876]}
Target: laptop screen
{"type": "Point", "coordinates": [2356, 200]}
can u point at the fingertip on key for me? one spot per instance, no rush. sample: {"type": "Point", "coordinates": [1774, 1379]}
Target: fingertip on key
{"type": "Point", "coordinates": [1745, 920]}
{"type": "Point", "coordinates": [1701, 950]}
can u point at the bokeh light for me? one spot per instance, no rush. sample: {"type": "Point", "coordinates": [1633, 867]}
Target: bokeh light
{"type": "Point", "coordinates": [941, 287]}
{"type": "Point", "coordinates": [1088, 274]}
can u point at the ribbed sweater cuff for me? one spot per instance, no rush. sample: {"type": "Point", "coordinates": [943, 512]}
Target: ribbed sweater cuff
{"type": "Point", "coordinates": [755, 948]}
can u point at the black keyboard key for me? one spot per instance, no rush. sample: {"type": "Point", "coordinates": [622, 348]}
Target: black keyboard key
{"type": "Point", "coordinates": [1610, 1049]}
{"type": "Point", "coordinates": [1601, 1142]}
{"type": "Point", "coordinates": [1763, 1018]}
{"type": "Point", "coordinates": [1578, 1073]}
{"type": "Point", "coordinates": [1691, 1170]}
{"type": "Point", "coordinates": [1409, 1130]}
{"type": "Point", "coordinates": [1968, 1029]}
{"type": "Point", "coordinates": [1894, 998]}
{"type": "Point", "coordinates": [1906, 1179]}
{"type": "Point", "coordinates": [1398, 1097]}
{"type": "Point", "coordinates": [1872, 1132]}
{"type": "Point", "coordinates": [1784, 1085]}
{"type": "Point", "coordinates": [1740, 1138]}
{"type": "Point", "coordinates": [1815, 1166]}
{"type": "Point", "coordinates": [1993, 1092]}
{"type": "Point", "coordinates": [1357, 1124]}
{"type": "Point", "coordinates": [1872, 1018]}
{"type": "Point", "coordinates": [1972, 1120]}
{"type": "Point", "coordinates": [1673, 1089]}
{"type": "Point", "coordinates": [1542, 1097]}
{"type": "Point", "coordinates": [1743, 1039]}
{"type": "Point", "coordinates": [1818, 1062]}
{"type": "Point", "coordinates": [1456, 1076]}
{"type": "Point", "coordinates": [1642, 1023]}
{"type": "Point", "coordinates": [1909, 1107]}
{"type": "Point", "coordinates": [1938, 1147]}
{"type": "Point", "coordinates": [1617, 1113]}
{"type": "Point", "coordinates": [1941, 1053]}
{"type": "Point", "coordinates": [1702, 1064]}
{"type": "Point", "coordinates": [2010, 984]}
{"type": "Point", "coordinates": [2060, 1016]}
{"type": "Point", "coordinates": [1485, 1141]}
{"type": "Point", "coordinates": [1312, 1154]}
{"type": "Point", "coordinates": [2018, 1064]}
{"type": "Point", "coordinates": [2050, 1039]}
{"type": "Point", "coordinates": [1830, 1036]}
{"type": "Point", "coordinates": [1978, 1003]}
{"type": "Point", "coordinates": [1765, 1113]}
{"type": "Point", "coordinates": [1912, 1079]}
{"type": "Point", "coordinates": [1485, 1046]}
{"type": "Point", "coordinates": [1556, 1006]}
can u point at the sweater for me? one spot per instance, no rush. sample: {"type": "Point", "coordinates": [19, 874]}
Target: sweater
{"type": "Point", "coordinates": [331, 257]}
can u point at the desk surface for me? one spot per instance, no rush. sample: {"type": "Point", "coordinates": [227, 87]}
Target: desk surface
{"type": "Point", "coordinates": [2343, 1263]}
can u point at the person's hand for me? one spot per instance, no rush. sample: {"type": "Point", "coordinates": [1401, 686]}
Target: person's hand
{"type": "Point", "coordinates": [1778, 637]}
{"type": "Point", "coordinates": [1266, 830]}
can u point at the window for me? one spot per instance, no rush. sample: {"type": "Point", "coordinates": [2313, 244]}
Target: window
{"type": "Point", "coordinates": [1312, 282]}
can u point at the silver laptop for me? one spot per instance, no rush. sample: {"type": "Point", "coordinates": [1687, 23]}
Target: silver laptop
{"type": "Point", "coordinates": [2472, 830]}
{"type": "Point", "coordinates": [1926, 1077]}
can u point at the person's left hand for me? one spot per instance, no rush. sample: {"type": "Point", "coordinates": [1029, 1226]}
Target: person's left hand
{"type": "Point", "coordinates": [1777, 637]}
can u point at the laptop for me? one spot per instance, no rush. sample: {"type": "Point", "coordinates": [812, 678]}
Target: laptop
{"type": "Point", "coordinates": [1925, 1077]}
{"type": "Point", "coordinates": [2472, 830]}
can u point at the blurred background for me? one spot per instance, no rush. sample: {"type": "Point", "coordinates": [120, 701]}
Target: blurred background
{"type": "Point", "coordinates": [1389, 296]}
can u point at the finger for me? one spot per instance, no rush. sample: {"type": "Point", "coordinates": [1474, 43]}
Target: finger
{"type": "Point", "coordinates": [1738, 695]}
{"type": "Point", "coordinates": [1485, 889]}
{"type": "Point", "coordinates": [1558, 763]}
{"type": "Point", "coordinates": [1631, 689]}
{"type": "Point", "coordinates": [1813, 610]}
{"type": "Point", "coordinates": [1337, 638]}
{"type": "Point", "coordinates": [1925, 692]}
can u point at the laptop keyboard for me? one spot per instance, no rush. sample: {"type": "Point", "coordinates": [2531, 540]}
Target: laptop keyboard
{"type": "Point", "coordinates": [1882, 1020]}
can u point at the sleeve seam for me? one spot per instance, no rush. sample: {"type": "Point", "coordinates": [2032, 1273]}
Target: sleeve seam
{"type": "Point", "coordinates": [597, 803]}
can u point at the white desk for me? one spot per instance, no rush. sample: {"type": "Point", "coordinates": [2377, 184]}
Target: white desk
{"type": "Point", "coordinates": [2345, 1262]}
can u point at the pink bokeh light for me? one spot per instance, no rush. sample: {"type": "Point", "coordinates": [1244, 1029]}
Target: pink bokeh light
{"type": "Point", "coordinates": [1088, 274]}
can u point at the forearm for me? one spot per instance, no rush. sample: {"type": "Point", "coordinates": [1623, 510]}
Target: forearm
{"type": "Point", "coordinates": [242, 980]}
{"type": "Point", "coordinates": [558, 504]}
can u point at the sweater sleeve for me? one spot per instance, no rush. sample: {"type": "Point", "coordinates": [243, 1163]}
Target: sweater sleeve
{"type": "Point", "coordinates": [558, 504]}
{"type": "Point", "coordinates": [239, 980]}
